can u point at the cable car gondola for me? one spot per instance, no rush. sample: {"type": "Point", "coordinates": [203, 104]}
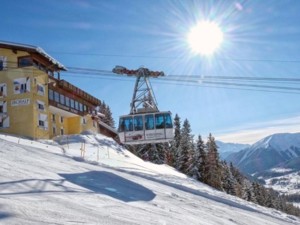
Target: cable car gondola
{"type": "Point", "coordinates": [146, 125]}
{"type": "Point", "coordinates": [146, 128]}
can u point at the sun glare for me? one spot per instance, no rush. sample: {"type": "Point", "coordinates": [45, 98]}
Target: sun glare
{"type": "Point", "coordinates": [205, 38]}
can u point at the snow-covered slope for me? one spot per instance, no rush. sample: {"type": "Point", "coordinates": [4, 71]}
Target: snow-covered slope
{"type": "Point", "coordinates": [48, 183]}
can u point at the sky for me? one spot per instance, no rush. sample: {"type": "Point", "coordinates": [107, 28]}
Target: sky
{"type": "Point", "coordinates": [261, 39]}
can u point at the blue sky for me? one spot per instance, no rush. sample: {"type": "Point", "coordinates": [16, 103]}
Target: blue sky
{"type": "Point", "coordinates": [261, 39]}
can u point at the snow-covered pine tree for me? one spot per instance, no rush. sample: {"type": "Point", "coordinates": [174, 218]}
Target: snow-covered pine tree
{"type": "Point", "coordinates": [185, 146]}
{"type": "Point", "coordinates": [212, 174]}
{"type": "Point", "coordinates": [177, 130]}
{"type": "Point", "coordinates": [196, 162]}
{"type": "Point", "coordinates": [248, 194]}
{"type": "Point", "coordinates": [228, 181]}
{"type": "Point", "coordinates": [108, 119]}
{"type": "Point", "coordinates": [176, 142]}
{"type": "Point", "coordinates": [239, 180]}
{"type": "Point", "coordinates": [201, 148]}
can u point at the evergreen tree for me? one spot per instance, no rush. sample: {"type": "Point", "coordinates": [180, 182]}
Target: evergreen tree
{"type": "Point", "coordinates": [212, 174]}
{"type": "Point", "coordinates": [239, 181]}
{"type": "Point", "coordinates": [176, 142]}
{"type": "Point", "coordinates": [108, 118]}
{"type": "Point", "coordinates": [185, 147]}
{"type": "Point", "coordinates": [201, 148]}
{"type": "Point", "coordinates": [229, 183]}
{"type": "Point", "coordinates": [248, 194]}
{"type": "Point", "coordinates": [197, 159]}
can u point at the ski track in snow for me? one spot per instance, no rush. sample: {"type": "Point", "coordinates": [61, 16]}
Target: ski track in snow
{"type": "Point", "coordinates": [47, 183]}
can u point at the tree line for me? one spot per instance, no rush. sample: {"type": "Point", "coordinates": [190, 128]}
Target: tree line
{"type": "Point", "coordinates": [200, 160]}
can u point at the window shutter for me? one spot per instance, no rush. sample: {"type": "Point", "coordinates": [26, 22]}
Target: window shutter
{"type": "Point", "coordinates": [6, 122]}
{"type": "Point", "coordinates": [4, 90]}
{"type": "Point", "coordinates": [27, 84]}
{"type": "Point", "coordinates": [4, 106]}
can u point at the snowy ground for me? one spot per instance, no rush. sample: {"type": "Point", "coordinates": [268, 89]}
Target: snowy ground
{"type": "Point", "coordinates": [48, 183]}
{"type": "Point", "coordinates": [286, 184]}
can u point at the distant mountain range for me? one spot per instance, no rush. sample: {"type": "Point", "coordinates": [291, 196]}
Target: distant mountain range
{"type": "Point", "coordinates": [275, 159]}
{"type": "Point", "coordinates": [273, 151]}
{"type": "Point", "coordinates": [225, 149]}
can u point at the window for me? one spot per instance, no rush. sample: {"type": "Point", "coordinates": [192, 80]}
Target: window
{"type": "Point", "coordinates": [159, 121]}
{"type": "Point", "coordinates": [94, 123]}
{"type": "Point", "coordinates": [61, 131]}
{"type": "Point", "coordinates": [62, 99]}
{"type": "Point", "coordinates": [67, 101]}
{"type": "Point", "coordinates": [53, 118]}
{"type": "Point", "coordinates": [3, 107]}
{"type": "Point", "coordinates": [56, 96]}
{"type": "Point", "coordinates": [149, 122]}
{"type": "Point", "coordinates": [43, 121]}
{"type": "Point", "coordinates": [138, 123]}
{"type": "Point", "coordinates": [126, 124]}
{"type": "Point", "coordinates": [41, 105]}
{"type": "Point", "coordinates": [76, 105]}
{"type": "Point", "coordinates": [168, 120]}
{"type": "Point", "coordinates": [80, 107]}
{"type": "Point", "coordinates": [54, 130]}
{"type": "Point", "coordinates": [4, 121]}
{"type": "Point", "coordinates": [21, 85]}
{"type": "Point", "coordinates": [72, 103]}
{"type": "Point", "coordinates": [83, 120]}
{"type": "Point", "coordinates": [3, 63]}
{"type": "Point", "coordinates": [40, 89]}
{"type": "Point", "coordinates": [3, 90]}
{"type": "Point", "coordinates": [62, 119]}
{"type": "Point", "coordinates": [25, 61]}
{"type": "Point", "coordinates": [51, 97]}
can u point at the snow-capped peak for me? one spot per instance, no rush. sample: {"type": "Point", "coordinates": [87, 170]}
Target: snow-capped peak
{"type": "Point", "coordinates": [279, 142]}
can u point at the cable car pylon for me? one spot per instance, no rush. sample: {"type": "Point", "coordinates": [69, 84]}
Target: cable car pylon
{"type": "Point", "coordinates": [145, 124]}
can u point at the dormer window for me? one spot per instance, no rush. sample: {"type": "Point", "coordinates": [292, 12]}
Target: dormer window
{"type": "Point", "coordinates": [25, 61]}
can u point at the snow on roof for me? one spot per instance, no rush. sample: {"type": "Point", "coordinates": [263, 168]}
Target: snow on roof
{"type": "Point", "coordinates": [34, 49]}
{"type": "Point", "coordinates": [108, 127]}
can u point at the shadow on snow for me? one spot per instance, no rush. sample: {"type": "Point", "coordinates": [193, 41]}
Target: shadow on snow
{"type": "Point", "coordinates": [196, 192]}
{"type": "Point", "coordinates": [95, 181]}
{"type": "Point", "coordinates": [4, 215]}
{"type": "Point", "coordinates": [110, 184]}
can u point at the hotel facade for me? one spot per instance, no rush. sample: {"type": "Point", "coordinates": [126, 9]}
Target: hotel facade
{"type": "Point", "coordinates": [36, 103]}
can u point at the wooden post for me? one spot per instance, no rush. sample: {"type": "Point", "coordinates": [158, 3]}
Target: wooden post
{"type": "Point", "coordinates": [107, 152]}
{"type": "Point", "coordinates": [68, 142]}
{"type": "Point", "coordinates": [82, 149]}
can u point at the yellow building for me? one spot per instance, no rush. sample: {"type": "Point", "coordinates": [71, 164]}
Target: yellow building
{"type": "Point", "coordinates": [36, 103]}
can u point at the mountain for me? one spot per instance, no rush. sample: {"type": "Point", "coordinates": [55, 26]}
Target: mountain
{"type": "Point", "coordinates": [272, 151]}
{"type": "Point", "coordinates": [90, 179]}
{"type": "Point", "coordinates": [226, 149]}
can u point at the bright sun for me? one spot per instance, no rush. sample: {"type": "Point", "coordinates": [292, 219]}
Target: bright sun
{"type": "Point", "coordinates": [205, 38]}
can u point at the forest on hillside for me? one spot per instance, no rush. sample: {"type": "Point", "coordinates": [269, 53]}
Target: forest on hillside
{"type": "Point", "coordinates": [200, 160]}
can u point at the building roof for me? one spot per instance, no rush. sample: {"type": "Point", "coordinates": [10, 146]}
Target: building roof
{"type": "Point", "coordinates": [108, 127]}
{"type": "Point", "coordinates": [32, 49]}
